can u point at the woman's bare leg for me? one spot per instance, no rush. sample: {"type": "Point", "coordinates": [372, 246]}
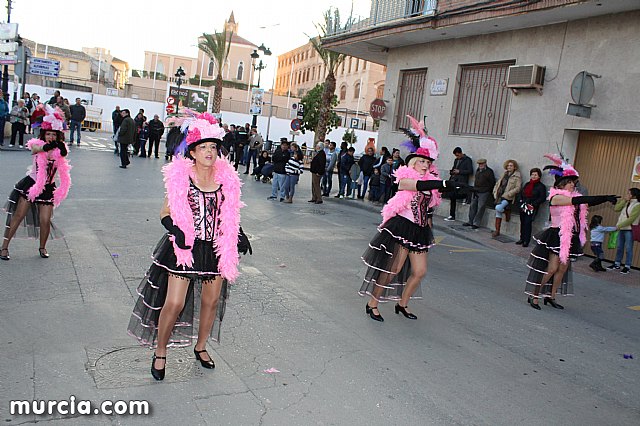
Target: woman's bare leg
{"type": "Point", "coordinates": [385, 278]}
{"type": "Point", "coordinates": [45, 213]}
{"type": "Point", "coordinates": [553, 264]}
{"type": "Point", "coordinates": [173, 304]}
{"type": "Point", "coordinates": [557, 278]}
{"type": "Point", "coordinates": [208, 307]}
{"type": "Point", "coordinates": [21, 211]}
{"type": "Point", "coordinates": [418, 271]}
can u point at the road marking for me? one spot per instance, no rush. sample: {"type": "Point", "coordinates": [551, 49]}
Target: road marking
{"type": "Point", "coordinates": [456, 249]}
{"type": "Point", "coordinates": [634, 308]}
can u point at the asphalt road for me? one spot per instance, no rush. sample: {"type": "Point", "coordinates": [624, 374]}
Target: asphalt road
{"type": "Point", "coordinates": [476, 355]}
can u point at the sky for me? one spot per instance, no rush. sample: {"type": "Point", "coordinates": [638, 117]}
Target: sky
{"type": "Point", "coordinates": [128, 28]}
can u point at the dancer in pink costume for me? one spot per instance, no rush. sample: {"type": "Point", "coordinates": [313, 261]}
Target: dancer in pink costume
{"type": "Point", "coordinates": [184, 292]}
{"type": "Point", "coordinates": [31, 203]}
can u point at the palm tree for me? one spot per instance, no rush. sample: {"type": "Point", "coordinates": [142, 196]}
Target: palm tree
{"type": "Point", "coordinates": [332, 60]}
{"type": "Point", "coordinates": [216, 46]}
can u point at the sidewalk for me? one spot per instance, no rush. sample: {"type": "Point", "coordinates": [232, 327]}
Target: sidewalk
{"type": "Point", "coordinates": [507, 244]}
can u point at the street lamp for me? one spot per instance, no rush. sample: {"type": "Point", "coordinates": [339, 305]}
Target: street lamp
{"type": "Point", "coordinates": [179, 74]}
{"type": "Point", "coordinates": [255, 55]}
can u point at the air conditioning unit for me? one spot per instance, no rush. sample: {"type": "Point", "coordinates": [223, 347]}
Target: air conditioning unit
{"type": "Point", "coordinates": [526, 77]}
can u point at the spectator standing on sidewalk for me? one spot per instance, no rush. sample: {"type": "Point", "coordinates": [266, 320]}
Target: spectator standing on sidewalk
{"type": "Point", "coordinates": [279, 159]}
{"type": "Point", "coordinates": [64, 106]}
{"type": "Point", "coordinates": [374, 186]}
{"type": "Point", "coordinates": [386, 179]}
{"type": "Point", "coordinates": [533, 194]}
{"type": "Point", "coordinates": [331, 159]}
{"type": "Point", "coordinates": [317, 168]}
{"type": "Point", "coordinates": [505, 191]}
{"type": "Point", "coordinates": [346, 162]}
{"type": "Point", "coordinates": [116, 118]}
{"type": "Point", "coordinates": [126, 137]}
{"type": "Point", "coordinates": [460, 172]}
{"type": "Point", "coordinates": [78, 114]}
{"type": "Point", "coordinates": [483, 184]}
{"type": "Point", "coordinates": [19, 117]}
{"type": "Point", "coordinates": [138, 121]}
{"type": "Point", "coordinates": [229, 140]}
{"type": "Point", "coordinates": [255, 146]}
{"type": "Point", "coordinates": [242, 140]}
{"type": "Point", "coordinates": [629, 208]}
{"type": "Point", "coordinates": [293, 170]}
{"type": "Point", "coordinates": [156, 130]}
{"type": "Point", "coordinates": [54, 99]}
{"type": "Point", "coordinates": [4, 115]}
{"type": "Point", "coordinates": [366, 163]}
{"type": "Point", "coordinates": [143, 136]}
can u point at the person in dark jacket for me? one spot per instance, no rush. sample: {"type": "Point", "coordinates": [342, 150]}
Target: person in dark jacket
{"type": "Point", "coordinates": [318, 165]}
{"type": "Point", "coordinates": [143, 137]}
{"type": "Point", "coordinates": [460, 172]}
{"type": "Point", "coordinates": [242, 140]}
{"type": "Point", "coordinates": [533, 194]}
{"type": "Point", "coordinates": [126, 136]}
{"type": "Point", "coordinates": [263, 158]}
{"type": "Point", "coordinates": [139, 120]}
{"type": "Point", "coordinates": [156, 130]}
{"type": "Point", "coordinates": [116, 118]}
{"type": "Point", "coordinates": [78, 114]}
{"type": "Point", "coordinates": [483, 184]}
{"type": "Point", "coordinates": [346, 162]}
{"type": "Point", "coordinates": [366, 163]}
{"type": "Point", "coordinates": [280, 159]}
{"type": "Point", "coordinates": [229, 141]}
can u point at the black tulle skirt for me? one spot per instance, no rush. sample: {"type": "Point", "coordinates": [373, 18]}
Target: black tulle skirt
{"type": "Point", "coordinates": [30, 225]}
{"type": "Point", "coordinates": [547, 242]}
{"type": "Point", "coordinates": [152, 292]}
{"type": "Point", "coordinates": [385, 278]}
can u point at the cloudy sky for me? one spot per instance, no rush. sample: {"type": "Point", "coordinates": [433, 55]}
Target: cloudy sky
{"type": "Point", "coordinates": [129, 27]}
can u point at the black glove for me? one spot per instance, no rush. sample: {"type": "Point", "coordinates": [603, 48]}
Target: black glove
{"type": "Point", "coordinates": [244, 245]}
{"type": "Point", "coordinates": [594, 200]}
{"type": "Point", "coordinates": [62, 147]}
{"type": "Point", "coordinates": [49, 146]}
{"type": "Point", "coordinates": [177, 233]}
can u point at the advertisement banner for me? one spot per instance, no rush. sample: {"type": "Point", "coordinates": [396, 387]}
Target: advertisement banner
{"type": "Point", "coordinates": [188, 97]}
{"type": "Point", "coordinates": [256, 101]}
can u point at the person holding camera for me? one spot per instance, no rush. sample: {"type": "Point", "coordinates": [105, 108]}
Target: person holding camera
{"type": "Point", "coordinates": [460, 172]}
{"type": "Point", "coordinates": [19, 117]}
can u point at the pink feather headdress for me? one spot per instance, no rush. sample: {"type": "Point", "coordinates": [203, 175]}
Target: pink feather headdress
{"type": "Point", "coordinates": [53, 119]}
{"type": "Point", "coordinates": [420, 144]}
{"type": "Point", "coordinates": [561, 167]}
{"type": "Point", "coordinates": [196, 126]}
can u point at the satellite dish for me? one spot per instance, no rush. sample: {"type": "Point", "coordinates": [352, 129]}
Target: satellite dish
{"type": "Point", "coordinates": [583, 87]}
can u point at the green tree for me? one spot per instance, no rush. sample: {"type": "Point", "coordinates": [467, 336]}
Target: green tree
{"type": "Point", "coordinates": [311, 102]}
{"type": "Point", "coordinates": [216, 46]}
{"type": "Point", "coordinates": [350, 136]}
{"type": "Point", "coordinates": [331, 60]}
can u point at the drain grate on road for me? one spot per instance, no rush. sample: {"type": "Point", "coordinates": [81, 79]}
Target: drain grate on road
{"type": "Point", "coordinates": [121, 366]}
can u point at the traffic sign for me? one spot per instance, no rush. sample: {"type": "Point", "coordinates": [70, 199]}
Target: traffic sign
{"type": "Point", "coordinates": [171, 100]}
{"type": "Point", "coordinates": [296, 124]}
{"type": "Point", "coordinates": [354, 124]}
{"type": "Point", "coordinates": [10, 47]}
{"type": "Point", "coordinates": [45, 67]}
{"type": "Point", "coordinates": [377, 109]}
{"type": "Point", "coordinates": [300, 110]}
{"type": "Point", "coordinates": [8, 59]}
{"type": "Point", "coordinates": [8, 31]}
{"type": "Point", "coordinates": [171, 109]}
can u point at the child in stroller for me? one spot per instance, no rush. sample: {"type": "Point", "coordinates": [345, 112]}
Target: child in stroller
{"type": "Point", "coordinates": [264, 170]}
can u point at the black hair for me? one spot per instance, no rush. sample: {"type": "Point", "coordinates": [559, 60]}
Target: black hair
{"type": "Point", "coordinates": [59, 135]}
{"type": "Point", "coordinates": [537, 170]}
{"type": "Point", "coordinates": [635, 193]}
{"type": "Point", "coordinates": [351, 149]}
{"type": "Point", "coordinates": [595, 221]}
{"type": "Point", "coordinates": [457, 150]}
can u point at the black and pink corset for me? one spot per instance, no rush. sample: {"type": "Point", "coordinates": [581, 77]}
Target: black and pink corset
{"type": "Point", "coordinates": [205, 207]}
{"type": "Point", "coordinates": [418, 208]}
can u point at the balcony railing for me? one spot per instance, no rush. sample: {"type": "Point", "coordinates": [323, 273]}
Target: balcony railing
{"type": "Point", "coordinates": [386, 11]}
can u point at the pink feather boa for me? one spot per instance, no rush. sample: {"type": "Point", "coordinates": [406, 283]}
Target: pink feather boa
{"type": "Point", "coordinates": [176, 179]}
{"type": "Point", "coordinates": [40, 161]}
{"type": "Point", "coordinates": [402, 200]}
{"type": "Point", "coordinates": [568, 222]}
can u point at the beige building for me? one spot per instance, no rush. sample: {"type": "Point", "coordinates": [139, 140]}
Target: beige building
{"type": "Point", "coordinates": [358, 82]}
{"type": "Point", "coordinates": [237, 68]}
{"type": "Point", "coordinates": [75, 67]}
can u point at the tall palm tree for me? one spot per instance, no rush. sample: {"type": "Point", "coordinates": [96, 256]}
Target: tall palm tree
{"type": "Point", "coordinates": [216, 46]}
{"type": "Point", "coordinates": [332, 60]}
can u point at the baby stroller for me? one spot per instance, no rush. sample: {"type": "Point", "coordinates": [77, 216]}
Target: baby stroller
{"type": "Point", "coordinates": [266, 172]}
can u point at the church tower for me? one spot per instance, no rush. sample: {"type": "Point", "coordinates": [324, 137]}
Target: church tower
{"type": "Point", "coordinates": [230, 25]}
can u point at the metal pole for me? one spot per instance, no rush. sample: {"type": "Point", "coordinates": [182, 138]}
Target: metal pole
{"type": "Point", "coordinates": [289, 91]}
{"type": "Point", "coordinates": [201, 68]}
{"type": "Point", "coordinates": [5, 69]}
{"type": "Point", "coordinates": [99, 64]}
{"type": "Point", "coordinates": [270, 109]}
{"type": "Point", "coordinates": [359, 96]}
{"type": "Point", "coordinates": [155, 71]}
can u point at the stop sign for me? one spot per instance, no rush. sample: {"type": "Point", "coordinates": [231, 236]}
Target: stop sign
{"type": "Point", "coordinates": [170, 109]}
{"type": "Point", "coordinates": [377, 109]}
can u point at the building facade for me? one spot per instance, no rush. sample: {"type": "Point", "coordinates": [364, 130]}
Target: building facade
{"type": "Point", "coordinates": [448, 62]}
{"type": "Point", "coordinates": [358, 82]}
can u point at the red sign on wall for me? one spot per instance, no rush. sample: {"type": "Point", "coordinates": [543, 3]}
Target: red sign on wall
{"type": "Point", "coordinates": [377, 109]}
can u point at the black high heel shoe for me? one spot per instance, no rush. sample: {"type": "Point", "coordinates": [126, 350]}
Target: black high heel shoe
{"type": "Point", "coordinates": [206, 364]}
{"type": "Point", "coordinates": [534, 305]}
{"type": "Point", "coordinates": [43, 253]}
{"type": "Point", "coordinates": [553, 303]}
{"type": "Point", "coordinates": [373, 316]}
{"type": "Point", "coordinates": [406, 314]}
{"type": "Point", "coordinates": [158, 373]}
{"type": "Point", "coordinates": [4, 256]}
